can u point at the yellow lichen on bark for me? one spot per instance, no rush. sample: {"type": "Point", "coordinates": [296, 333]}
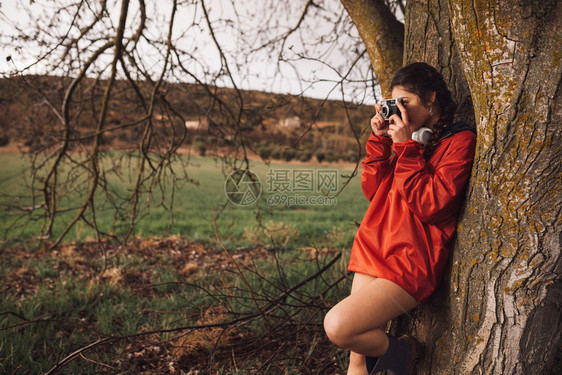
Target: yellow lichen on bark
{"type": "Point", "coordinates": [488, 56]}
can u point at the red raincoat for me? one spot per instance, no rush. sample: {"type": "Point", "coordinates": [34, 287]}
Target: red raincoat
{"type": "Point", "coordinates": [405, 234]}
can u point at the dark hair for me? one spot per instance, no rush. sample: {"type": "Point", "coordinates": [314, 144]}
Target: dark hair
{"type": "Point", "coordinates": [423, 80]}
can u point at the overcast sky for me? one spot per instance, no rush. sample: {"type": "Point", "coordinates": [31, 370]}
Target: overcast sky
{"type": "Point", "coordinates": [327, 40]}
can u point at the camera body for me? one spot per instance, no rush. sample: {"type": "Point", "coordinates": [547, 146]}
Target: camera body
{"type": "Point", "coordinates": [389, 108]}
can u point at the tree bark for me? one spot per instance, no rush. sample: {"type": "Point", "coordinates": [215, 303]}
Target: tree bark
{"type": "Point", "coordinates": [506, 273]}
{"type": "Point", "coordinates": [429, 38]}
{"type": "Point", "coordinates": [499, 308]}
{"type": "Point", "coordinates": [382, 35]}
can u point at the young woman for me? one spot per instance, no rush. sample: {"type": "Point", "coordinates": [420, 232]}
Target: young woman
{"type": "Point", "coordinates": [416, 187]}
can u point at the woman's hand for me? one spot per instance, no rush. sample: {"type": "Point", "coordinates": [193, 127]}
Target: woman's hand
{"type": "Point", "coordinates": [378, 125]}
{"type": "Point", "coordinates": [399, 128]}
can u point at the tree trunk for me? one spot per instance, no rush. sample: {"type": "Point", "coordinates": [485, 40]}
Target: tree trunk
{"type": "Point", "coordinates": [429, 38]}
{"type": "Point", "coordinates": [499, 308]}
{"type": "Point", "coordinates": [506, 274]}
{"type": "Point", "coordinates": [382, 35]}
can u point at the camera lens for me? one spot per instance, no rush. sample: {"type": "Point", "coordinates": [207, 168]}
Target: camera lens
{"type": "Point", "coordinates": [384, 111]}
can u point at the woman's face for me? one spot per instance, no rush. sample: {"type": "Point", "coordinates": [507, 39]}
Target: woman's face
{"type": "Point", "coordinates": [418, 111]}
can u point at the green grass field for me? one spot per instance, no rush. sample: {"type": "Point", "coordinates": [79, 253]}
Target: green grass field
{"type": "Point", "coordinates": [313, 217]}
{"type": "Point", "coordinates": [55, 302]}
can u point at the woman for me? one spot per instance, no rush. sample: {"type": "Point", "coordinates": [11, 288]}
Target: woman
{"type": "Point", "coordinates": [401, 248]}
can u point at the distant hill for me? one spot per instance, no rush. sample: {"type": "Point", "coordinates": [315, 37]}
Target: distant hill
{"type": "Point", "coordinates": [206, 119]}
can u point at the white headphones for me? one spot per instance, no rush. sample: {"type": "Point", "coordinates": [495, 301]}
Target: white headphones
{"type": "Point", "coordinates": [422, 135]}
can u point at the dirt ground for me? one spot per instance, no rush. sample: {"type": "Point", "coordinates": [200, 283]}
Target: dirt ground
{"type": "Point", "coordinates": [182, 352]}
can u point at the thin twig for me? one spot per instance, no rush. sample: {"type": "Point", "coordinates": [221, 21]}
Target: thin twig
{"type": "Point", "coordinates": [234, 322]}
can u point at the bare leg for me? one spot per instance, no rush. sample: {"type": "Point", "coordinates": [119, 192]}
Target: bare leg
{"type": "Point", "coordinates": [358, 322]}
{"type": "Point", "coordinates": [357, 361]}
{"type": "Point", "coordinates": [356, 364]}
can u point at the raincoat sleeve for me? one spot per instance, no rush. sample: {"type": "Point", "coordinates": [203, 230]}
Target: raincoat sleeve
{"type": "Point", "coordinates": [434, 195]}
{"type": "Point", "coordinates": [376, 164]}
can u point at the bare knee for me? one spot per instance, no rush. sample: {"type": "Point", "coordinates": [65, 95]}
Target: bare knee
{"type": "Point", "coordinates": [342, 331]}
{"type": "Point", "coordinates": [338, 329]}
{"type": "Point", "coordinates": [333, 327]}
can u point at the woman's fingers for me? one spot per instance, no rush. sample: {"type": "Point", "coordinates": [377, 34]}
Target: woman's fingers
{"type": "Point", "coordinates": [378, 125]}
{"type": "Point", "coordinates": [398, 130]}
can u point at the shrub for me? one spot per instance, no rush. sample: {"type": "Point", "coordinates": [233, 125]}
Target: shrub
{"type": "Point", "coordinates": [280, 232]}
{"type": "Point", "coordinates": [123, 136]}
{"type": "Point", "coordinates": [331, 156]}
{"type": "Point", "coordinates": [277, 153]}
{"type": "Point", "coordinates": [351, 156]}
{"type": "Point", "coordinates": [289, 154]}
{"type": "Point", "coordinates": [200, 148]}
{"type": "Point", "coordinates": [254, 235]}
{"type": "Point", "coordinates": [305, 155]}
{"type": "Point", "coordinates": [4, 140]}
{"type": "Point", "coordinates": [265, 152]}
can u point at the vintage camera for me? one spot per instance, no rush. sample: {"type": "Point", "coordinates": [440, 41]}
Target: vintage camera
{"type": "Point", "coordinates": [389, 108]}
